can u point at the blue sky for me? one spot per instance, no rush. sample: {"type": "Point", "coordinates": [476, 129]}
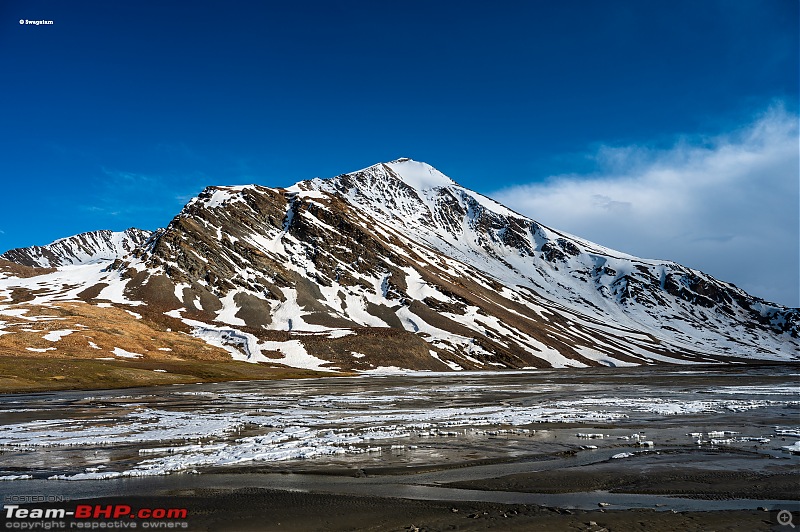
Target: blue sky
{"type": "Point", "coordinates": [119, 112]}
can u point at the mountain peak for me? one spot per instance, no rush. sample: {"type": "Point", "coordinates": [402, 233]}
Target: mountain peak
{"type": "Point", "coordinates": [416, 174]}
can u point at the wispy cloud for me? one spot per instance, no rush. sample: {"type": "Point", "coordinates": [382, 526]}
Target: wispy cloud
{"type": "Point", "coordinates": [140, 199]}
{"type": "Point", "coordinates": [179, 150]}
{"type": "Point", "coordinates": [183, 199]}
{"type": "Point", "coordinates": [727, 204]}
{"type": "Point", "coordinates": [120, 193]}
{"type": "Point", "coordinates": [119, 177]}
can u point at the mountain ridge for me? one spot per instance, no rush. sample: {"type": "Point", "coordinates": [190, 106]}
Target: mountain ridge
{"type": "Point", "coordinates": [327, 273]}
{"type": "Point", "coordinates": [79, 249]}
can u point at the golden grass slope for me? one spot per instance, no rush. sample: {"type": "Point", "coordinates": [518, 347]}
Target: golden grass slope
{"type": "Point", "coordinates": [37, 353]}
{"type": "Point", "coordinates": [96, 332]}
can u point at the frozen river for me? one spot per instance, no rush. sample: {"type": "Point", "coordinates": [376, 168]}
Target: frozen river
{"type": "Point", "coordinates": [493, 423]}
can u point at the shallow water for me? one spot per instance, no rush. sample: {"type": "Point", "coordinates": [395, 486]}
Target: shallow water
{"type": "Point", "coordinates": [501, 423]}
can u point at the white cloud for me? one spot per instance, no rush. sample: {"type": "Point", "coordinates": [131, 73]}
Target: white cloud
{"type": "Point", "coordinates": [727, 205]}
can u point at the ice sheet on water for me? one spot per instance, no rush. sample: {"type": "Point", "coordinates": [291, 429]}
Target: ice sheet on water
{"type": "Point", "coordinates": [622, 455]}
{"type": "Point", "coordinates": [794, 448]}
{"type": "Point", "coordinates": [301, 430]}
{"type": "Point", "coordinates": [671, 406]}
{"type": "Point", "coordinates": [757, 390]}
{"type": "Point", "coordinates": [230, 425]}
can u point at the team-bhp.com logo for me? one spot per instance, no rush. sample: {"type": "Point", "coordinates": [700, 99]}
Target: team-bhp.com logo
{"type": "Point", "coordinates": [87, 516]}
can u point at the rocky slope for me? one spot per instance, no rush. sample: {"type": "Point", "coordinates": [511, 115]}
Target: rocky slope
{"type": "Point", "coordinates": [396, 265]}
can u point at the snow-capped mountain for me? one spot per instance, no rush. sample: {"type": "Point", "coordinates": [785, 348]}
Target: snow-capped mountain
{"type": "Point", "coordinates": [396, 265]}
{"type": "Point", "coordinates": [94, 246]}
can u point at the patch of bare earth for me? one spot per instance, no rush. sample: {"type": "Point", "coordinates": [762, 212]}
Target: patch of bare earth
{"type": "Point", "coordinates": [18, 270]}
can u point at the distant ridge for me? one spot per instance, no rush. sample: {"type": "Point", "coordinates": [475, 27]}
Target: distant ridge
{"type": "Point", "coordinates": [79, 249]}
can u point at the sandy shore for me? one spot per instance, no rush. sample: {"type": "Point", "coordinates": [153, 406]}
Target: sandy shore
{"type": "Point", "coordinates": [253, 509]}
{"type": "Point", "coordinates": [688, 480]}
{"type": "Point", "coordinates": [211, 507]}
